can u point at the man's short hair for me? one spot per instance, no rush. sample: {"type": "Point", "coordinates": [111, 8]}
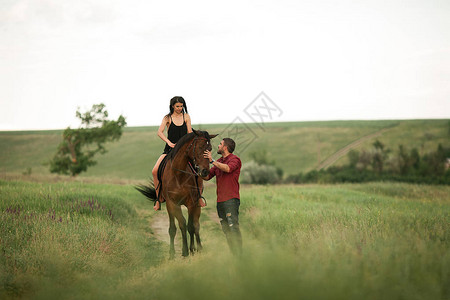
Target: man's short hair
{"type": "Point", "coordinates": [231, 145]}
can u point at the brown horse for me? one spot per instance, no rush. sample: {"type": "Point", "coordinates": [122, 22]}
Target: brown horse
{"type": "Point", "coordinates": [180, 184]}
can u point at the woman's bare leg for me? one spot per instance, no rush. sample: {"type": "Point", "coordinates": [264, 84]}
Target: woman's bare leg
{"type": "Point", "coordinates": [155, 178]}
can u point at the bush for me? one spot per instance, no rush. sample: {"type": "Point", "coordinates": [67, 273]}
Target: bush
{"type": "Point", "coordinates": [255, 173]}
{"type": "Point", "coordinates": [376, 165]}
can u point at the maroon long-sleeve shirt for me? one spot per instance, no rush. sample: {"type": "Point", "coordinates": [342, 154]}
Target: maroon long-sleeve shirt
{"type": "Point", "coordinates": [227, 183]}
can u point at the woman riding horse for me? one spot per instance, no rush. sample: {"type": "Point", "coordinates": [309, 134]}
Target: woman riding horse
{"type": "Point", "coordinates": [181, 184]}
{"type": "Point", "coordinates": [178, 123]}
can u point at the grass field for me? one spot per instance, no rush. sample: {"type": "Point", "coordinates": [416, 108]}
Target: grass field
{"type": "Point", "coordinates": [93, 236]}
{"type": "Point", "coordinates": [73, 239]}
{"type": "Point", "coordinates": [295, 147]}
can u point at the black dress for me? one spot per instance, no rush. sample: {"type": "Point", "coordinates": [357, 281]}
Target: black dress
{"type": "Point", "coordinates": [174, 133]}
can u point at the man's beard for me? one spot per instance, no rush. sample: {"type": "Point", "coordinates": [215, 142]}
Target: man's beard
{"type": "Point", "coordinates": [219, 152]}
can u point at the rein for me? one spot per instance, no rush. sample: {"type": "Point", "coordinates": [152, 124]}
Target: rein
{"type": "Point", "coordinates": [194, 142]}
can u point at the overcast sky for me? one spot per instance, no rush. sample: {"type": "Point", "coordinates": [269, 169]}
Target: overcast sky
{"type": "Point", "coordinates": [315, 59]}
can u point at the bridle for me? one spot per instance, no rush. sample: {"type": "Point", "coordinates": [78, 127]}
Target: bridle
{"type": "Point", "coordinates": [195, 168]}
{"type": "Point", "coordinates": [192, 162]}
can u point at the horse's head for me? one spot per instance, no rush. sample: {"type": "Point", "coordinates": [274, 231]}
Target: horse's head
{"type": "Point", "coordinates": [200, 143]}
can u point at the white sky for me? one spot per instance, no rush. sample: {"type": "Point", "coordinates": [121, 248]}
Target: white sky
{"type": "Point", "coordinates": [316, 59]}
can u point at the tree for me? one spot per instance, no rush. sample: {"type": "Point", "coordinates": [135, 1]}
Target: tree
{"type": "Point", "coordinates": [364, 160]}
{"type": "Point", "coordinates": [437, 161]}
{"type": "Point", "coordinates": [378, 145]}
{"type": "Point", "coordinates": [379, 156]}
{"type": "Point", "coordinates": [260, 157]}
{"type": "Point", "coordinates": [415, 158]}
{"type": "Point", "coordinates": [79, 146]}
{"type": "Point", "coordinates": [378, 160]}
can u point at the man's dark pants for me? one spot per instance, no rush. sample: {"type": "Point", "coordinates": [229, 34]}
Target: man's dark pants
{"type": "Point", "coordinates": [228, 212]}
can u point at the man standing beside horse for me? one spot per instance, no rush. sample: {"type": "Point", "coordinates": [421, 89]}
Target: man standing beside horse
{"type": "Point", "coordinates": [227, 170]}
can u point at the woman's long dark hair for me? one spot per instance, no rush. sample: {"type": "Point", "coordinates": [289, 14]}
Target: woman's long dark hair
{"type": "Point", "coordinates": [177, 99]}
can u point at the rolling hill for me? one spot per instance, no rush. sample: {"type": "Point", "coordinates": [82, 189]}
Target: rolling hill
{"type": "Point", "coordinates": [293, 146]}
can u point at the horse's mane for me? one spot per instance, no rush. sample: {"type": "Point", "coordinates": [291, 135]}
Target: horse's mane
{"type": "Point", "coordinates": [185, 139]}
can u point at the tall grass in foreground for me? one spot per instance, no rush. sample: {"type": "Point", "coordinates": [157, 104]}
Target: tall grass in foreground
{"type": "Point", "coordinates": [64, 236]}
{"type": "Point", "coordinates": [362, 241]}
{"type": "Point", "coordinates": [372, 241]}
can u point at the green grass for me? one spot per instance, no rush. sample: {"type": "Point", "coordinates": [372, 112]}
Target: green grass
{"type": "Point", "coordinates": [294, 146]}
{"type": "Point", "coordinates": [91, 236]}
{"type": "Point", "coordinates": [358, 241]}
{"type": "Point", "coordinates": [59, 236]}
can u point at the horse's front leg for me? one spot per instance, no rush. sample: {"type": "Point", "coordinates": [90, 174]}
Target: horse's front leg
{"type": "Point", "coordinates": [191, 231]}
{"type": "Point", "coordinates": [182, 224]}
{"type": "Point", "coordinates": [172, 233]}
{"type": "Point", "coordinates": [175, 211]}
{"type": "Point", "coordinates": [194, 227]}
{"type": "Point", "coordinates": [197, 232]}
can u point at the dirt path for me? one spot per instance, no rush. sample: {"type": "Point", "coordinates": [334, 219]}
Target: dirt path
{"type": "Point", "coordinates": [212, 215]}
{"type": "Point", "coordinates": [160, 226]}
{"type": "Point", "coordinates": [160, 223]}
{"type": "Point", "coordinates": [333, 158]}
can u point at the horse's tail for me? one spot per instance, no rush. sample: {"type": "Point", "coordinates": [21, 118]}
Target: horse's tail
{"type": "Point", "coordinates": [147, 191]}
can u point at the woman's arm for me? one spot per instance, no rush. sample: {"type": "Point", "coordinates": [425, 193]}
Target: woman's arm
{"type": "Point", "coordinates": [161, 128]}
{"type": "Point", "coordinates": [188, 123]}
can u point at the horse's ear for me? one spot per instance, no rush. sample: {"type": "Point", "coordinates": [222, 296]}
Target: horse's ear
{"type": "Point", "coordinates": [211, 136]}
{"type": "Point", "coordinates": [195, 132]}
